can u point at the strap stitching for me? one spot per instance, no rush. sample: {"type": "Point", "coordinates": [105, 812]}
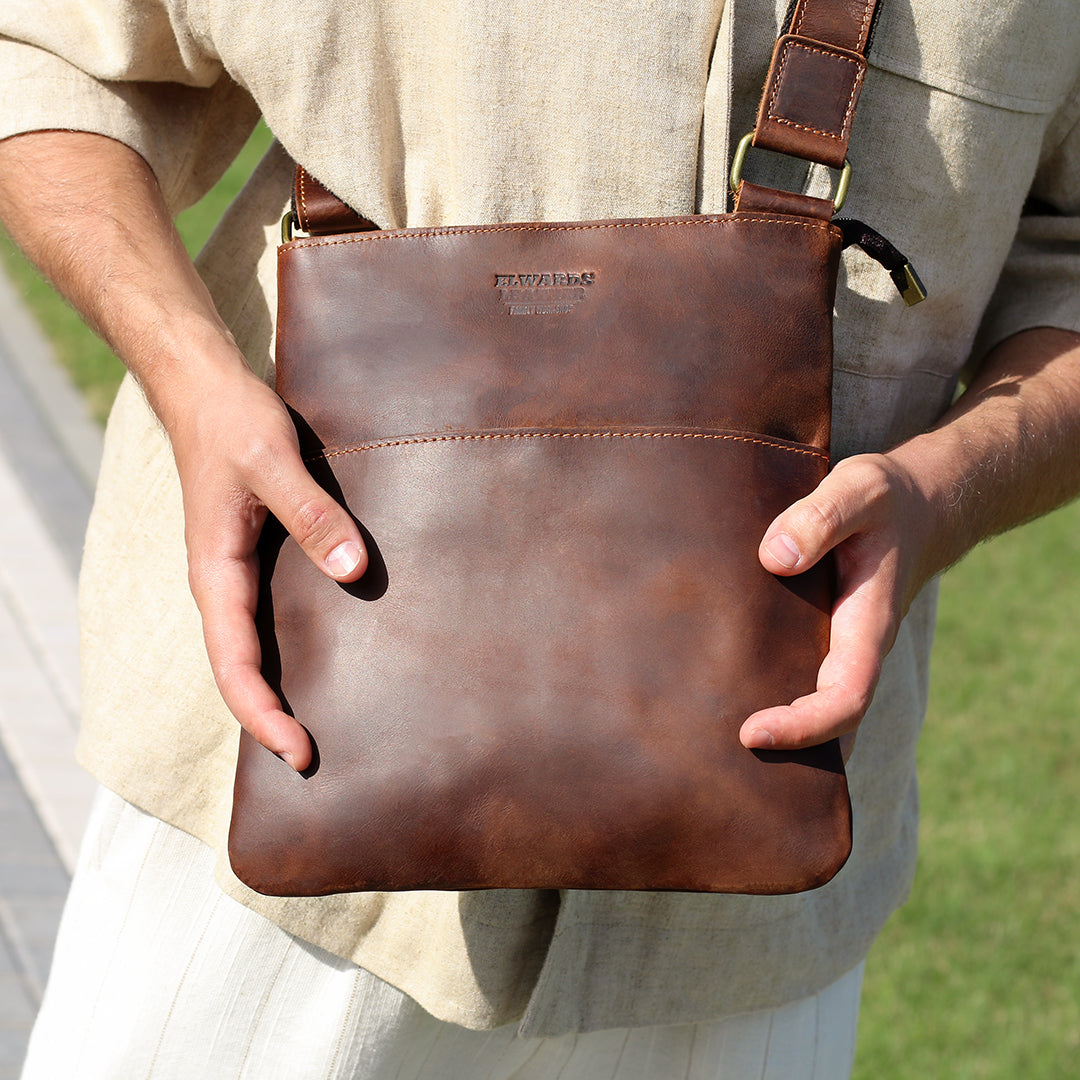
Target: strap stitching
{"type": "Point", "coordinates": [845, 125]}
{"type": "Point", "coordinates": [867, 20]}
{"type": "Point", "coordinates": [489, 436]}
{"type": "Point", "coordinates": [303, 200]}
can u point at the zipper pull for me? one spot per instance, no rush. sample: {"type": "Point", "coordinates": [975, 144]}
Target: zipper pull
{"type": "Point", "coordinates": [878, 248]}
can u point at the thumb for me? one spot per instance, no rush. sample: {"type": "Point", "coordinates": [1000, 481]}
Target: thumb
{"type": "Point", "coordinates": [810, 528]}
{"type": "Point", "coordinates": [318, 523]}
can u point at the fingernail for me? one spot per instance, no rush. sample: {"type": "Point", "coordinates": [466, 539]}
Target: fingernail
{"type": "Point", "coordinates": [759, 739]}
{"type": "Point", "coordinates": [782, 548]}
{"type": "Point", "coordinates": [288, 759]}
{"type": "Point", "coordinates": [343, 559]}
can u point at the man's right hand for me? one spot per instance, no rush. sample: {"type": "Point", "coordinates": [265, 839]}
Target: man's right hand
{"type": "Point", "coordinates": [89, 212]}
{"type": "Point", "coordinates": [237, 456]}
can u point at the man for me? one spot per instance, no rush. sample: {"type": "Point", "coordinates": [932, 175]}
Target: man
{"type": "Point", "coordinates": [484, 112]}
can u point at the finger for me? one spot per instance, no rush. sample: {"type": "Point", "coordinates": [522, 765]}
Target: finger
{"type": "Point", "coordinates": [843, 504]}
{"type": "Point", "coordinates": [833, 710]}
{"type": "Point", "coordinates": [860, 636]}
{"type": "Point", "coordinates": [319, 524]}
{"type": "Point", "coordinates": [227, 597]}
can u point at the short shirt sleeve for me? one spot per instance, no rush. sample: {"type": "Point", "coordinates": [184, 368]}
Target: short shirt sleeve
{"type": "Point", "coordinates": [1040, 282]}
{"type": "Point", "coordinates": [135, 70]}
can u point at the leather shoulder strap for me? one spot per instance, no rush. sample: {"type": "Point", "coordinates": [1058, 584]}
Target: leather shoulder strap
{"type": "Point", "coordinates": [817, 71]}
{"type": "Point", "coordinates": [318, 211]}
{"type": "Point", "coordinates": [814, 80]}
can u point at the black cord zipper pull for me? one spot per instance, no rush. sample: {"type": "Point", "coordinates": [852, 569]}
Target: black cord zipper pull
{"type": "Point", "coordinates": [878, 248]}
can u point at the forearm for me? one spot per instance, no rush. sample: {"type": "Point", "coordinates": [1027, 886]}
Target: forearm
{"type": "Point", "coordinates": [1005, 453]}
{"type": "Point", "coordinates": [88, 211]}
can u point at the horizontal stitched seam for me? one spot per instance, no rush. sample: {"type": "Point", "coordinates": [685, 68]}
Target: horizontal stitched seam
{"type": "Point", "coordinates": [402, 235]}
{"type": "Point", "coordinates": [491, 435]}
{"type": "Point", "coordinates": [846, 123]}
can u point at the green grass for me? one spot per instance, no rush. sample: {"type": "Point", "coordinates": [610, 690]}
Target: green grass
{"type": "Point", "coordinates": [91, 364]}
{"type": "Point", "coordinates": [979, 975]}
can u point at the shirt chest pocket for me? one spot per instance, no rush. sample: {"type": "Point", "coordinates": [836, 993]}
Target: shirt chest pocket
{"type": "Point", "coordinates": [1019, 55]}
{"type": "Point", "coordinates": [950, 132]}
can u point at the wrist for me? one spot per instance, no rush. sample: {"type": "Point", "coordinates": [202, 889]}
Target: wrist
{"type": "Point", "coordinates": [192, 374]}
{"type": "Point", "coordinates": [944, 472]}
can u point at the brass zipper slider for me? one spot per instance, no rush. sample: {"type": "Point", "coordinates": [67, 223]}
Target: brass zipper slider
{"type": "Point", "coordinates": [875, 245]}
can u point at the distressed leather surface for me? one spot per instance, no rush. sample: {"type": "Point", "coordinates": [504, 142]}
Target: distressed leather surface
{"type": "Point", "coordinates": [844, 23]}
{"type": "Point", "coordinates": [765, 200]}
{"type": "Point", "coordinates": [815, 79]}
{"type": "Point", "coordinates": [563, 444]}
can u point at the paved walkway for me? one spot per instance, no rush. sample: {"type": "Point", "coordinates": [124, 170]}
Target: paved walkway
{"type": "Point", "coordinates": [49, 451]}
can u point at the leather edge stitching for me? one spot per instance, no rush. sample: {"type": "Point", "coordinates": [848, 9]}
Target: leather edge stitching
{"type": "Point", "coordinates": [404, 234]}
{"type": "Point", "coordinates": [303, 200]}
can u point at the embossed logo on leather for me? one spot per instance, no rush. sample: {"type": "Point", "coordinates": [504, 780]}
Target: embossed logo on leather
{"type": "Point", "coordinates": [543, 294]}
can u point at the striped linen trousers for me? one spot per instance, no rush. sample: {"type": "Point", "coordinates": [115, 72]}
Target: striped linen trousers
{"type": "Point", "coordinates": [160, 976]}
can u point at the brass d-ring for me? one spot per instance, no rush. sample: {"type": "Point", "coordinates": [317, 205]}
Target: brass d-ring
{"type": "Point", "coordinates": [739, 160]}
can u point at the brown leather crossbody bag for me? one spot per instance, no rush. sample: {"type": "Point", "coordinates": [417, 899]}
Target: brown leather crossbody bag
{"type": "Point", "coordinates": [563, 444]}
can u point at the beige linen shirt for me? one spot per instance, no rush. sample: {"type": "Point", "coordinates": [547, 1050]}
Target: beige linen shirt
{"type": "Point", "coordinates": [422, 112]}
